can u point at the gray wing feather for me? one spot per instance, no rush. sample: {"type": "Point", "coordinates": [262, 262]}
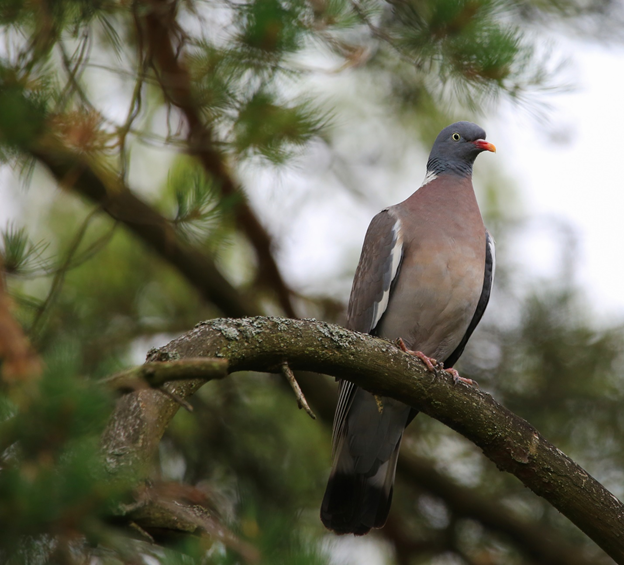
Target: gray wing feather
{"type": "Point", "coordinates": [379, 265]}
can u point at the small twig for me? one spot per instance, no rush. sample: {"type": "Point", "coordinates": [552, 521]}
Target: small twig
{"type": "Point", "coordinates": [141, 531]}
{"type": "Point", "coordinates": [292, 381]}
{"type": "Point", "coordinates": [37, 326]}
{"type": "Point", "coordinates": [136, 102]}
{"type": "Point", "coordinates": [155, 374]}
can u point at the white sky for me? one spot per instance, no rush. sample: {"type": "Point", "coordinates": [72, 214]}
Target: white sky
{"type": "Point", "coordinates": [580, 180]}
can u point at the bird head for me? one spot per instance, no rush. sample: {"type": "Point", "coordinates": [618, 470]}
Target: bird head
{"type": "Point", "coordinates": [456, 148]}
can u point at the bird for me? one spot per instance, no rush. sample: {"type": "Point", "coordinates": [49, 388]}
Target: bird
{"type": "Point", "coordinates": [423, 280]}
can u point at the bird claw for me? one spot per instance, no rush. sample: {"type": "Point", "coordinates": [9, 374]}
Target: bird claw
{"type": "Point", "coordinates": [457, 378]}
{"type": "Point", "coordinates": [429, 362]}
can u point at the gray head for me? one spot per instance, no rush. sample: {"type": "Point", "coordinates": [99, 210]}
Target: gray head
{"type": "Point", "coordinates": [456, 148]}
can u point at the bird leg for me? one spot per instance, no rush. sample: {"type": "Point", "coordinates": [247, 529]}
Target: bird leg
{"type": "Point", "coordinates": [457, 378]}
{"type": "Point", "coordinates": [430, 362]}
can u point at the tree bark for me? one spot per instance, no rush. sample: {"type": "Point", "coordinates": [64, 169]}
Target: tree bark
{"type": "Point", "coordinates": [262, 344]}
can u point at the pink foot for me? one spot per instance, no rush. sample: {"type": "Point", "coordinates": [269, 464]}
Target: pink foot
{"type": "Point", "coordinates": [430, 362]}
{"type": "Point", "coordinates": [457, 378]}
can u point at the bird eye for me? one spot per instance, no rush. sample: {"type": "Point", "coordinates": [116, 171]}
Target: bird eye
{"type": "Point", "coordinates": [456, 137]}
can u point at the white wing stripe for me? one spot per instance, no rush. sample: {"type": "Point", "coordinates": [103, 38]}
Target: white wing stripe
{"type": "Point", "coordinates": [492, 246]}
{"type": "Point", "coordinates": [395, 260]}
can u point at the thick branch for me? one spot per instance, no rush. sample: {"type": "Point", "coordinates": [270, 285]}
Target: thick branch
{"type": "Point", "coordinates": [152, 228]}
{"type": "Point", "coordinates": [175, 81]}
{"type": "Point", "coordinates": [262, 344]}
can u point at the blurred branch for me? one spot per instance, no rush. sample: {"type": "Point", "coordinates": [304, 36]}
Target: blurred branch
{"type": "Point", "coordinates": [18, 361]}
{"type": "Point", "coordinates": [118, 201]}
{"type": "Point", "coordinates": [263, 344]}
{"type": "Point", "coordinates": [407, 547]}
{"type": "Point", "coordinates": [463, 502]}
{"type": "Point", "coordinates": [166, 510]}
{"type": "Point", "coordinates": [176, 84]}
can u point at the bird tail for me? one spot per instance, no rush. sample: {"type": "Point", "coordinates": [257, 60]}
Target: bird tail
{"type": "Point", "coordinates": [356, 502]}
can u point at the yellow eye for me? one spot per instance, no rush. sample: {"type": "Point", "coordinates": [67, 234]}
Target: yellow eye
{"type": "Point", "coordinates": [456, 137]}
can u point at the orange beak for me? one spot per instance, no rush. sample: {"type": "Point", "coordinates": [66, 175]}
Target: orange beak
{"type": "Point", "coordinates": [485, 145]}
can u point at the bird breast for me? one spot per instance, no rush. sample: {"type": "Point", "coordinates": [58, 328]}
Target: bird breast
{"type": "Point", "coordinates": [441, 275]}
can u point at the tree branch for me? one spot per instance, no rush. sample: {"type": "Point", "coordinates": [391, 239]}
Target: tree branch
{"type": "Point", "coordinates": [164, 511]}
{"type": "Point", "coordinates": [175, 81]}
{"type": "Point", "coordinates": [118, 201]}
{"type": "Point", "coordinates": [262, 344]}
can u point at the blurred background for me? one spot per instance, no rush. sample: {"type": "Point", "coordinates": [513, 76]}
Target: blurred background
{"type": "Point", "coordinates": [167, 162]}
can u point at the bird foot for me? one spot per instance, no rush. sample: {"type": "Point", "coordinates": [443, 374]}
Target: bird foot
{"type": "Point", "coordinates": [457, 378]}
{"type": "Point", "coordinates": [430, 362]}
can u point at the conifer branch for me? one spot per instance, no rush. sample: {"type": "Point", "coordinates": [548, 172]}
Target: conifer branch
{"type": "Point", "coordinates": [176, 84]}
{"type": "Point", "coordinates": [100, 185]}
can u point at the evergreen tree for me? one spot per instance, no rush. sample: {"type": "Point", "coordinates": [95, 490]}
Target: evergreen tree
{"type": "Point", "coordinates": [167, 150]}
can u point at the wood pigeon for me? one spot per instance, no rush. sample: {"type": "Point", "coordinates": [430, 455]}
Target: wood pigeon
{"type": "Point", "coordinates": [424, 279]}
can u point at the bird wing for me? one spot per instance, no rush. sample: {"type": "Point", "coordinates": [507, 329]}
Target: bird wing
{"type": "Point", "coordinates": [488, 283]}
{"type": "Point", "coordinates": [378, 269]}
{"type": "Point", "coordinates": [379, 266]}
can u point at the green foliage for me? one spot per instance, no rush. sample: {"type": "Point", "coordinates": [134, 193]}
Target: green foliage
{"type": "Point", "coordinates": [198, 206]}
{"type": "Point", "coordinates": [271, 26]}
{"type": "Point", "coordinates": [478, 54]}
{"type": "Point", "coordinates": [266, 128]}
{"type": "Point", "coordinates": [23, 109]}
{"type": "Point", "coordinates": [20, 255]}
{"type": "Point", "coordinates": [52, 482]}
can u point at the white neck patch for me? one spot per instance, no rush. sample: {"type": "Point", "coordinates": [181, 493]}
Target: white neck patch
{"type": "Point", "coordinates": [429, 177]}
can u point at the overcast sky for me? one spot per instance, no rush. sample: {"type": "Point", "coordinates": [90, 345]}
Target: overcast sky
{"type": "Point", "coordinates": [576, 174]}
